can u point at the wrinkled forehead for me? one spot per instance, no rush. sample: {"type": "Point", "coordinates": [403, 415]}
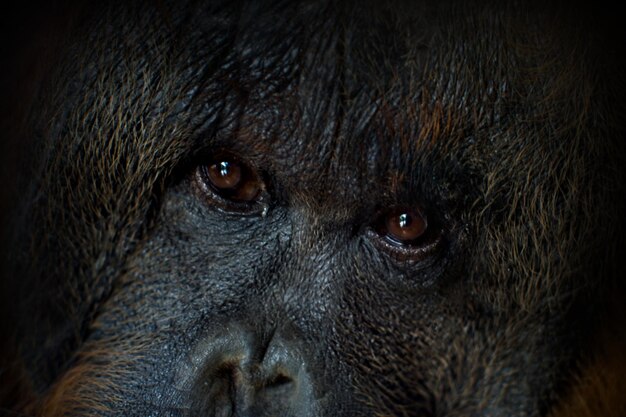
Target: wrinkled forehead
{"type": "Point", "coordinates": [351, 95]}
{"type": "Point", "coordinates": [352, 84]}
{"type": "Point", "coordinates": [346, 64]}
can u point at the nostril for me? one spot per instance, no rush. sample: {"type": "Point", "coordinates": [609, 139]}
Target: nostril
{"type": "Point", "coordinates": [223, 382]}
{"type": "Point", "coordinates": [228, 371]}
{"type": "Point", "coordinates": [277, 383]}
{"type": "Point", "coordinates": [278, 380]}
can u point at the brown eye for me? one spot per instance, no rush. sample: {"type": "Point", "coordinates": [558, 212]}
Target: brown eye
{"type": "Point", "coordinates": [224, 175]}
{"type": "Point", "coordinates": [405, 226]}
{"type": "Point", "coordinates": [234, 180]}
{"type": "Point", "coordinates": [406, 233]}
{"type": "Point", "coordinates": [232, 184]}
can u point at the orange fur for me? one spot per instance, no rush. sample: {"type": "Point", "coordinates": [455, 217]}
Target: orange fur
{"type": "Point", "coordinates": [92, 383]}
{"type": "Point", "coordinates": [600, 390]}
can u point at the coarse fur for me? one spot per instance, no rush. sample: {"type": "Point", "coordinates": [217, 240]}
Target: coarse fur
{"type": "Point", "coordinates": [124, 284]}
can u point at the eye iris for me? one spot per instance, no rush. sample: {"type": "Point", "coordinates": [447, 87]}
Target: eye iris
{"type": "Point", "coordinates": [225, 175]}
{"type": "Point", "coordinates": [233, 180]}
{"type": "Point", "coordinates": [406, 226]}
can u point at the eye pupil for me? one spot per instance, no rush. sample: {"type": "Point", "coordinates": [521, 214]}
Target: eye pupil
{"type": "Point", "coordinates": [404, 220]}
{"type": "Point", "coordinates": [224, 168]}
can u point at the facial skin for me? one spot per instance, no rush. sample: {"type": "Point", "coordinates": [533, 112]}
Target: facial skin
{"type": "Point", "coordinates": [314, 209]}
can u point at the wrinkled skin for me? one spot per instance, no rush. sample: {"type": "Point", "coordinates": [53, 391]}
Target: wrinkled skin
{"type": "Point", "coordinates": [131, 289]}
